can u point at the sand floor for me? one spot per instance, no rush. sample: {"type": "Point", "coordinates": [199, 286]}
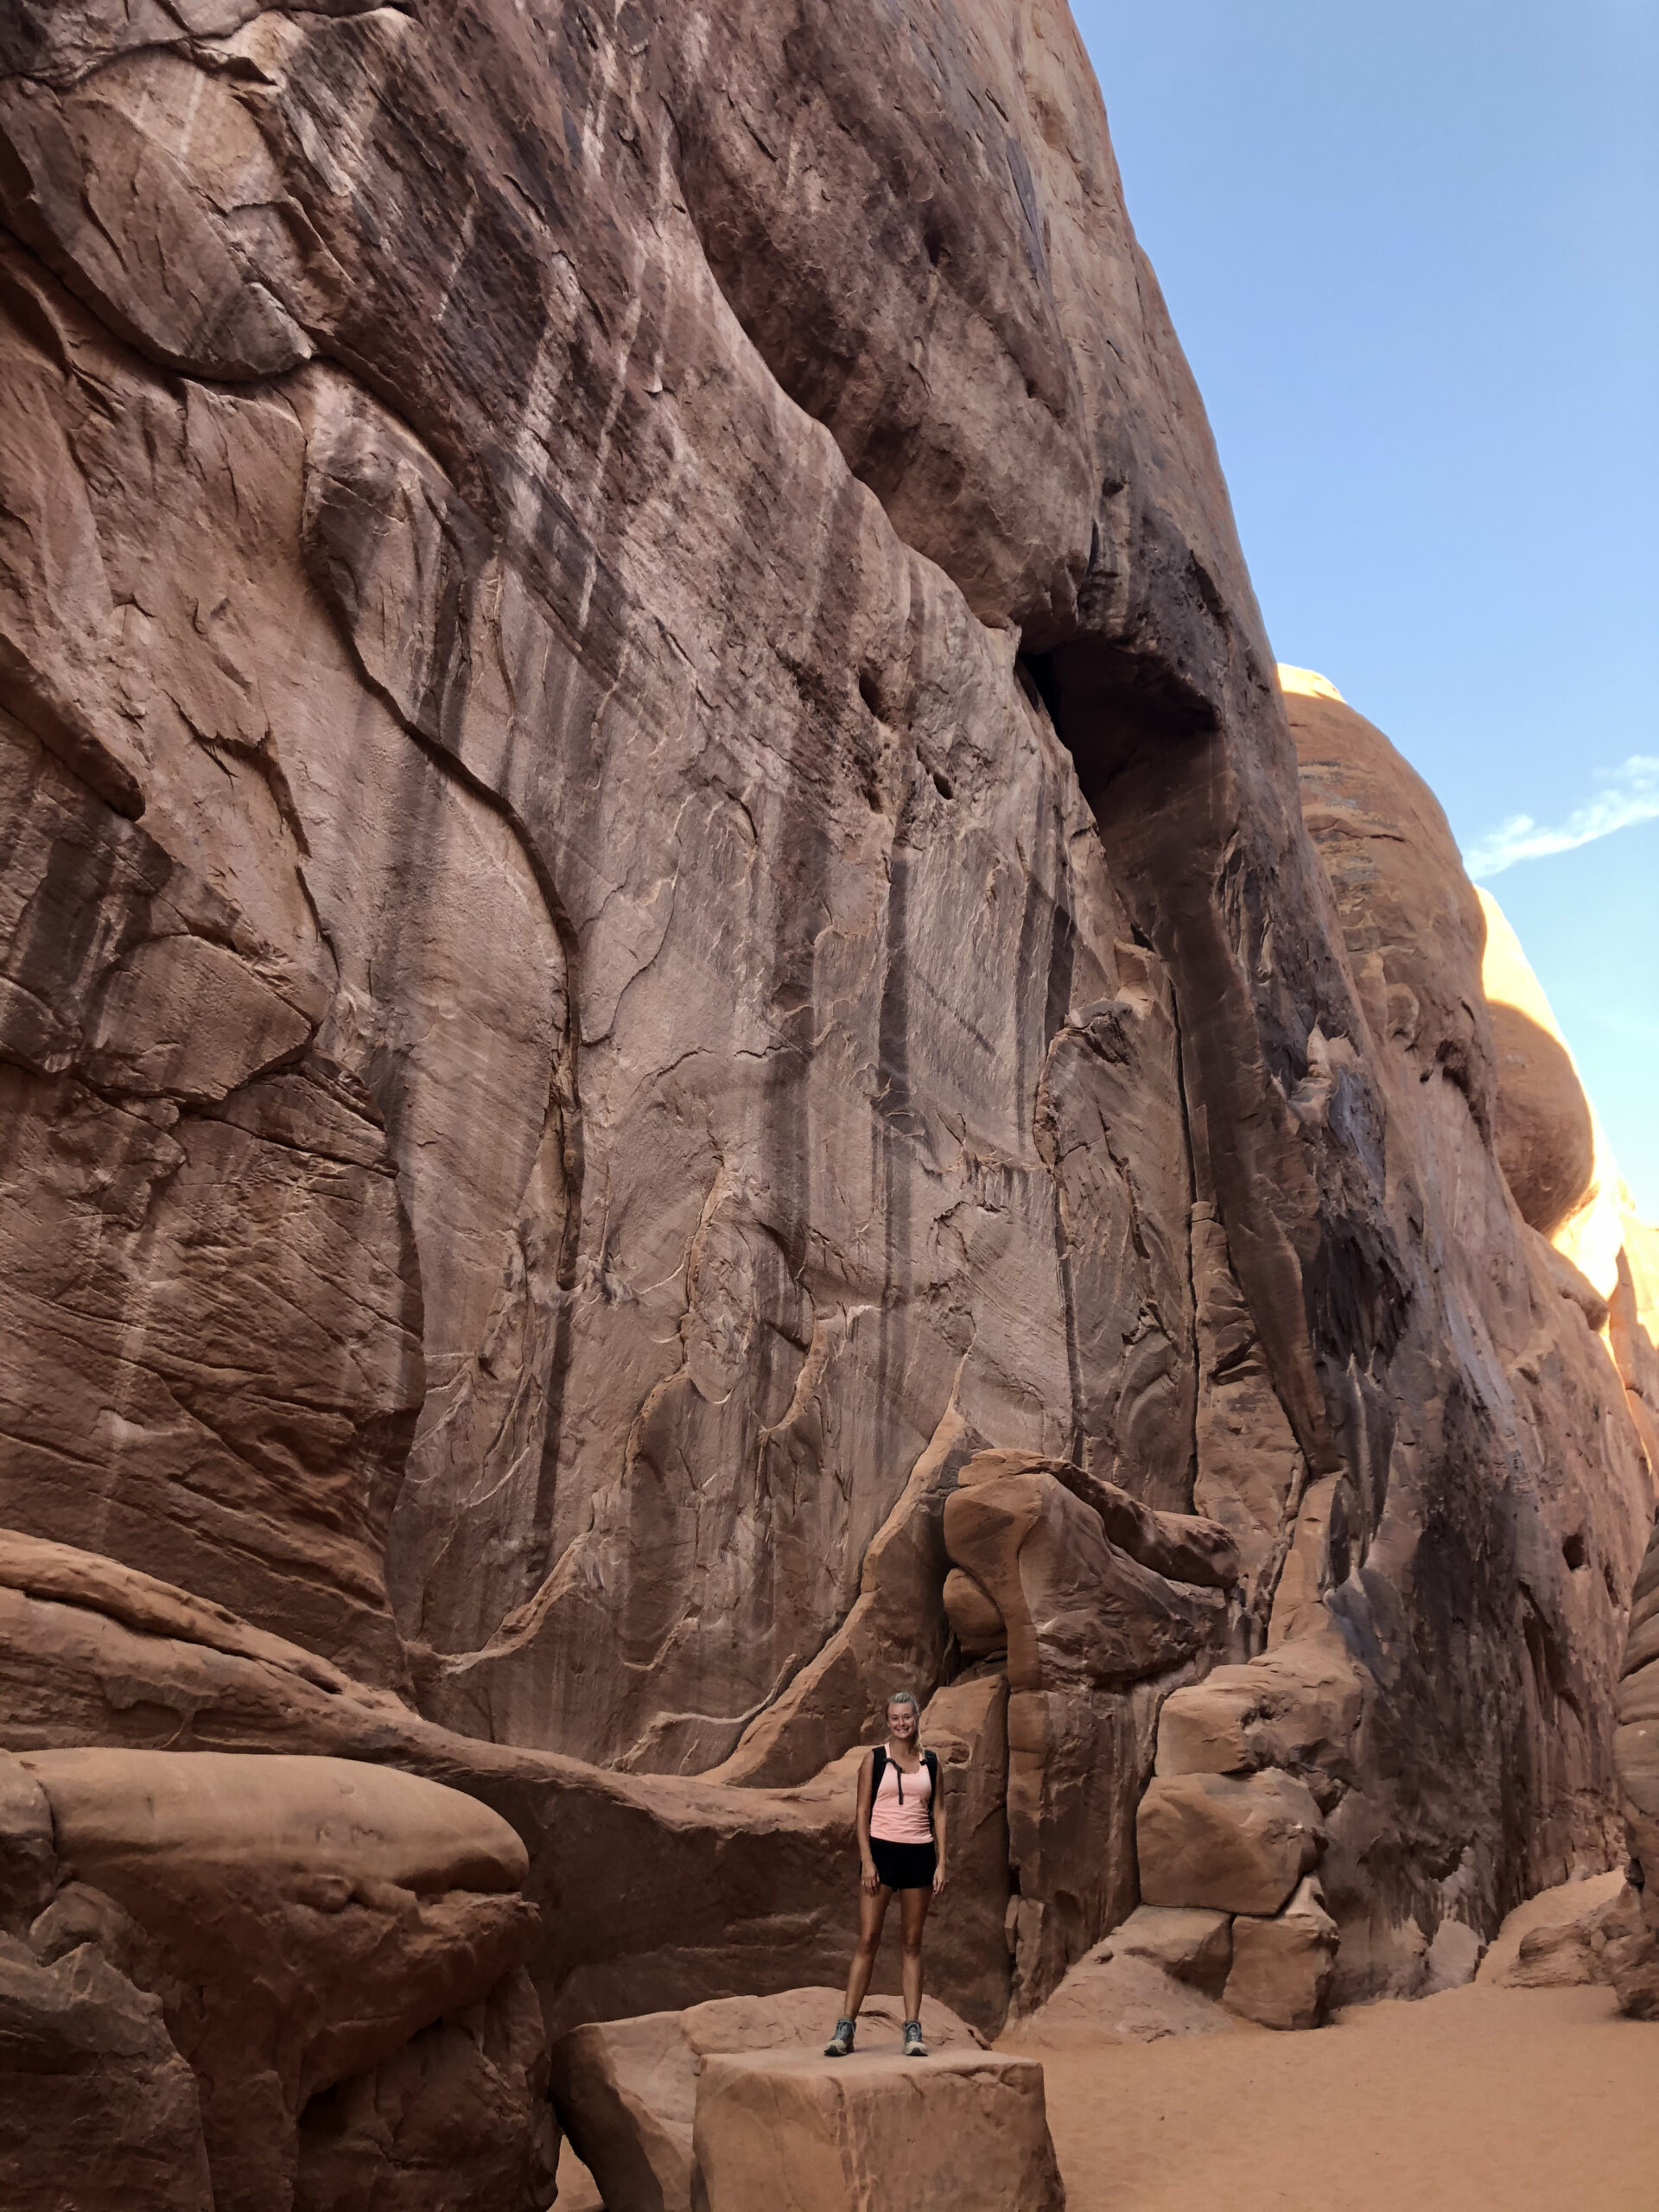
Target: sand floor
{"type": "Point", "coordinates": [1515, 2099]}
{"type": "Point", "coordinates": [1480, 2101]}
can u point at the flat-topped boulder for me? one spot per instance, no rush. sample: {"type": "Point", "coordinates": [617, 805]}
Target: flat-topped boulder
{"type": "Point", "coordinates": [875, 2132]}
{"type": "Point", "coordinates": [626, 2090]}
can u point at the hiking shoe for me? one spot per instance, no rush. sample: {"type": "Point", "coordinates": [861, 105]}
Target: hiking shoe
{"type": "Point", "coordinates": [840, 2043]}
{"type": "Point", "coordinates": [914, 2047]}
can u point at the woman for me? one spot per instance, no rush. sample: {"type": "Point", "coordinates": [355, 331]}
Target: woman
{"type": "Point", "coordinates": [900, 1820]}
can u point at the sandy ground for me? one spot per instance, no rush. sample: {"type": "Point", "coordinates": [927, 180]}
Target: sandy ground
{"type": "Point", "coordinates": [1515, 2099]}
{"type": "Point", "coordinates": [1480, 2101]}
{"type": "Point", "coordinates": [577, 2190]}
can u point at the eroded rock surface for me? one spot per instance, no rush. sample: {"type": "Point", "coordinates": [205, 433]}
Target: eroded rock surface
{"type": "Point", "coordinates": [97, 2111]}
{"type": "Point", "coordinates": [655, 889]}
{"type": "Point", "coordinates": [1284, 1966]}
{"type": "Point", "coordinates": [221, 1943]}
{"type": "Point", "coordinates": [1232, 1843]}
{"type": "Point", "coordinates": [626, 2091]}
{"type": "Point", "coordinates": [1633, 1958]}
{"type": "Point", "coordinates": [864, 2135]}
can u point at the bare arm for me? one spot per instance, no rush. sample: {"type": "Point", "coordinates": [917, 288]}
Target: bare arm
{"type": "Point", "coordinates": [861, 1821]}
{"type": "Point", "coordinates": [939, 1833]}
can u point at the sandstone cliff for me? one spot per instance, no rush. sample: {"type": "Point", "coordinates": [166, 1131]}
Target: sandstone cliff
{"type": "Point", "coordinates": [655, 885]}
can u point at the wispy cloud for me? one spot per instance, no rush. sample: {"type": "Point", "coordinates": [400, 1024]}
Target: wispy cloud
{"type": "Point", "coordinates": [1630, 794]}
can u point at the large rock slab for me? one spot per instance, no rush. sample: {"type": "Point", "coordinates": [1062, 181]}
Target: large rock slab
{"type": "Point", "coordinates": [625, 2091]}
{"type": "Point", "coordinates": [688, 1888]}
{"type": "Point", "coordinates": [1235, 1844]}
{"type": "Point", "coordinates": [295, 1922]}
{"type": "Point", "coordinates": [1077, 1612]}
{"type": "Point", "coordinates": [874, 2134]}
{"type": "Point", "coordinates": [1078, 1760]}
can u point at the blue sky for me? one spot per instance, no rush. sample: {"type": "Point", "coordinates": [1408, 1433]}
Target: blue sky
{"type": "Point", "coordinates": [1413, 254]}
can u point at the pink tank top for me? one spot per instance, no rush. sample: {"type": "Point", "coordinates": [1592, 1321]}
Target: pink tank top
{"type": "Point", "coordinates": [896, 1820]}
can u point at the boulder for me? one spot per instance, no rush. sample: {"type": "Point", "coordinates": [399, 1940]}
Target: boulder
{"type": "Point", "coordinates": [457, 2120]}
{"type": "Point", "coordinates": [1078, 1612]}
{"type": "Point", "coordinates": [881, 2133]}
{"type": "Point", "coordinates": [625, 2091]}
{"type": "Point", "coordinates": [1234, 1843]}
{"type": "Point", "coordinates": [1113, 1996]}
{"type": "Point", "coordinates": [1632, 1960]}
{"type": "Point", "coordinates": [97, 2111]}
{"type": "Point", "coordinates": [1182, 1546]}
{"type": "Point", "coordinates": [1566, 1955]}
{"type": "Point", "coordinates": [975, 1619]}
{"type": "Point", "coordinates": [298, 1919]}
{"type": "Point", "coordinates": [1542, 1127]}
{"type": "Point", "coordinates": [1283, 1968]}
{"type": "Point", "coordinates": [1560, 1937]}
{"type": "Point", "coordinates": [1303, 1712]}
{"type": "Point", "coordinates": [1195, 1946]}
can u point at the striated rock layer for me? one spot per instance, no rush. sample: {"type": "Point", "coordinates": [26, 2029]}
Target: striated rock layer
{"type": "Point", "coordinates": [657, 896]}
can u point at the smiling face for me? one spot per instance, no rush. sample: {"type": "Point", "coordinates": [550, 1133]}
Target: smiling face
{"type": "Point", "coordinates": [901, 1721]}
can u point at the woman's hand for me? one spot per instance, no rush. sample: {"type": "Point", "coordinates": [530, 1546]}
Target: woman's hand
{"type": "Point", "coordinates": [939, 1878]}
{"type": "Point", "coordinates": [869, 1881]}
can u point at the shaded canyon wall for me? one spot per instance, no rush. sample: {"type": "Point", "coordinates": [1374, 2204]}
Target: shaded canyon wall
{"type": "Point", "coordinates": [655, 885]}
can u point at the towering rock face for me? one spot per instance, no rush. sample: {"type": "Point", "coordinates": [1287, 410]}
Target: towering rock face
{"type": "Point", "coordinates": [1486, 1528]}
{"type": "Point", "coordinates": [654, 885]}
{"type": "Point", "coordinates": [1635, 1958]}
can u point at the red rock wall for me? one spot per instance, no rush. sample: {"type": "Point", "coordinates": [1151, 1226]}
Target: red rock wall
{"type": "Point", "coordinates": [654, 868]}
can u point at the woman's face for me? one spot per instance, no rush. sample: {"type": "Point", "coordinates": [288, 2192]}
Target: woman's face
{"type": "Point", "coordinates": [901, 1721]}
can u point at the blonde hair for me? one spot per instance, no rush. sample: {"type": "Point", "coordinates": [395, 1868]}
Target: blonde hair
{"type": "Point", "coordinates": [904, 1697]}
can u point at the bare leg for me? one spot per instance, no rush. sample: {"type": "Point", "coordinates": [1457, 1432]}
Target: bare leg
{"type": "Point", "coordinates": [872, 1911]}
{"type": "Point", "coordinates": [913, 1906]}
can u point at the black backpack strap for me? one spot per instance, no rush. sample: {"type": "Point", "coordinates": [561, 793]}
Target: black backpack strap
{"type": "Point", "coordinates": [878, 1767]}
{"type": "Point", "coordinates": [931, 1761]}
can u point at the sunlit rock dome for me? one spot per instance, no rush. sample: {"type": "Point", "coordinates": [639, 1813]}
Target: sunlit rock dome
{"type": "Point", "coordinates": [1592, 1231]}
{"type": "Point", "coordinates": [1307, 683]}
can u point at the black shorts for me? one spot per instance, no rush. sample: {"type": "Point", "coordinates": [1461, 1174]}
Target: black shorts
{"type": "Point", "coordinates": [904, 1865]}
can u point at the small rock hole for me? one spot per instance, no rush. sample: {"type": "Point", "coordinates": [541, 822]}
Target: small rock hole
{"type": "Point", "coordinates": [1572, 1550]}
{"type": "Point", "coordinates": [942, 785]}
{"type": "Point", "coordinates": [869, 694]}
